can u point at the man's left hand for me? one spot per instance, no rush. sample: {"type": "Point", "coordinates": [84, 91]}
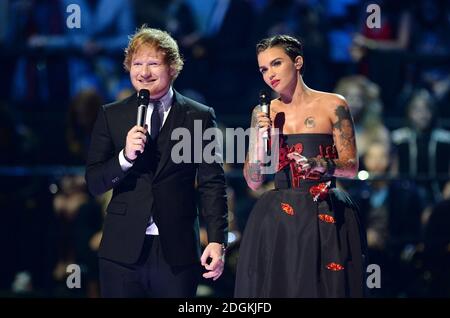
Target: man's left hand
{"type": "Point", "coordinates": [215, 267]}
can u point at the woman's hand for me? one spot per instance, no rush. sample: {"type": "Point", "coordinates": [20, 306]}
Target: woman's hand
{"type": "Point", "coordinates": [263, 123]}
{"type": "Point", "coordinates": [263, 120]}
{"type": "Point", "coordinates": [307, 165]}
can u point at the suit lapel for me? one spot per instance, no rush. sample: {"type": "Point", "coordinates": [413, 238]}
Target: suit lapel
{"type": "Point", "coordinates": [130, 113]}
{"type": "Point", "coordinates": [124, 119]}
{"type": "Point", "coordinates": [175, 119]}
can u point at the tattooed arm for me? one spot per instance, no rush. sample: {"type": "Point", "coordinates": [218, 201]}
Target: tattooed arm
{"type": "Point", "coordinates": [344, 140]}
{"type": "Point", "coordinates": [253, 175]}
{"type": "Point", "coordinates": [252, 166]}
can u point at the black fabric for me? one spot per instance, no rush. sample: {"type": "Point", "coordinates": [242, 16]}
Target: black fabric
{"type": "Point", "coordinates": [151, 276]}
{"type": "Point", "coordinates": [288, 248]}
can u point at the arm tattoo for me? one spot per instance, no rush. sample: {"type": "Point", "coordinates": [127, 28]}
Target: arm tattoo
{"type": "Point", "coordinates": [344, 134]}
{"type": "Point", "coordinates": [344, 126]}
{"type": "Point", "coordinates": [254, 172]}
{"type": "Point", "coordinates": [309, 122]}
{"type": "Point", "coordinates": [252, 166]}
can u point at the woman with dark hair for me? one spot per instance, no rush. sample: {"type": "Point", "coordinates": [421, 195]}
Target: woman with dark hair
{"type": "Point", "coordinates": [303, 238]}
{"type": "Point", "coordinates": [423, 148]}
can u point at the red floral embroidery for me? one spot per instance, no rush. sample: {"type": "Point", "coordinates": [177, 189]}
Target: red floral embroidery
{"type": "Point", "coordinates": [283, 160]}
{"type": "Point", "coordinates": [335, 267]}
{"type": "Point", "coordinates": [320, 191]}
{"type": "Point", "coordinates": [327, 218]}
{"type": "Point", "coordinates": [287, 208]}
{"type": "Point", "coordinates": [297, 173]}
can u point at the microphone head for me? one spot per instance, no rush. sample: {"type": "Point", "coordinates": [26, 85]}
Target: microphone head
{"type": "Point", "coordinates": [263, 98]}
{"type": "Point", "coordinates": [143, 100]}
{"type": "Point", "coordinates": [144, 97]}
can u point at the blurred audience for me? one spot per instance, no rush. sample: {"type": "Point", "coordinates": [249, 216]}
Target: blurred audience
{"type": "Point", "coordinates": [79, 224]}
{"type": "Point", "coordinates": [87, 54]}
{"type": "Point", "coordinates": [80, 121]}
{"type": "Point", "coordinates": [423, 148]}
{"type": "Point", "coordinates": [436, 253]}
{"type": "Point", "coordinates": [380, 51]}
{"type": "Point", "coordinates": [391, 212]}
{"type": "Point", "coordinates": [363, 98]}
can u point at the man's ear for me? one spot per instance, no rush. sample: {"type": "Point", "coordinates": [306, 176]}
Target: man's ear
{"type": "Point", "coordinates": [298, 62]}
{"type": "Point", "coordinates": [172, 72]}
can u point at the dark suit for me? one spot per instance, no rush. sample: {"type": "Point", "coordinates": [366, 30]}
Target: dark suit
{"type": "Point", "coordinates": [155, 186]}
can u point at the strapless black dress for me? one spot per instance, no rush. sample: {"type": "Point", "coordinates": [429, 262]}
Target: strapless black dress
{"type": "Point", "coordinates": [304, 238]}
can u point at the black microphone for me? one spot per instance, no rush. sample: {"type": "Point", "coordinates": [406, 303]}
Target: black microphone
{"type": "Point", "coordinates": [143, 100]}
{"type": "Point", "coordinates": [264, 102]}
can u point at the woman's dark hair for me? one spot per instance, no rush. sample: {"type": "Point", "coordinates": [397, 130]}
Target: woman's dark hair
{"type": "Point", "coordinates": [422, 94]}
{"type": "Point", "coordinates": [291, 46]}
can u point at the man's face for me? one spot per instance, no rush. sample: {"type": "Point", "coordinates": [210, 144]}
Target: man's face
{"type": "Point", "coordinates": [149, 71]}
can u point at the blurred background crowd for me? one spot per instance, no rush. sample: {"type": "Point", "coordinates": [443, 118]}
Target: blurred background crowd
{"type": "Point", "coordinates": [53, 79]}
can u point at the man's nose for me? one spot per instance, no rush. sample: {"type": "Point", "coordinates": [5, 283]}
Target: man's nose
{"type": "Point", "coordinates": [146, 71]}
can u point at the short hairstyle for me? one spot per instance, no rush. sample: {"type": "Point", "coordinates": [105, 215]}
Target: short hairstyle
{"type": "Point", "coordinates": [160, 40]}
{"type": "Point", "coordinates": [291, 46]}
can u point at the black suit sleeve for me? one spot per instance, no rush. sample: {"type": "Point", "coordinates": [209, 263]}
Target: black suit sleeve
{"type": "Point", "coordinates": [212, 191]}
{"type": "Point", "coordinates": [103, 171]}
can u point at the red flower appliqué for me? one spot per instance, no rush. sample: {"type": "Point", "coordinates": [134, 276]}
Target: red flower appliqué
{"type": "Point", "coordinates": [287, 208]}
{"type": "Point", "coordinates": [326, 218]}
{"type": "Point", "coordinates": [283, 160]}
{"type": "Point", "coordinates": [335, 267]}
{"type": "Point", "coordinates": [320, 191]}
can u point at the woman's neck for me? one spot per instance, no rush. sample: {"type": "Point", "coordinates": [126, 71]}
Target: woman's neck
{"type": "Point", "coordinates": [297, 95]}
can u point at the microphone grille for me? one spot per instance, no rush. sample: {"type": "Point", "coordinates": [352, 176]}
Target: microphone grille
{"type": "Point", "coordinates": [144, 96]}
{"type": "Point", "coordinates": [263, 98]}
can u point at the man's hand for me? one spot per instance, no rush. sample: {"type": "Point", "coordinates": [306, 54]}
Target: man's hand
{"type": "Point", "coordinates": [136, 140]}
{"type": "Point", "coordinates": [215, 267]}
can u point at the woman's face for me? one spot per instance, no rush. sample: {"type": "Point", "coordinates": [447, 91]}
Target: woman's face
{"type": "Point", "coordinates": [420, 114]}
{"type": "Point", "coordinates": [278, 70]}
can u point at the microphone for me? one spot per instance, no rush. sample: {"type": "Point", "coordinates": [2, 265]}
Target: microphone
{"type": "Point", "coordinates": [143, 100]}
{"type": "Point", "coordinates": [265, 107]}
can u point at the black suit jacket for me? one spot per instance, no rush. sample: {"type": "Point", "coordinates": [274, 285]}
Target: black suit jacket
{"type": "Point", "coordinates": [155, 185]}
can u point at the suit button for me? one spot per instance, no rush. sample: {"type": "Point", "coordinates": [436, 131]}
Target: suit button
{"type": "Point", "coordinates": [115, 180]}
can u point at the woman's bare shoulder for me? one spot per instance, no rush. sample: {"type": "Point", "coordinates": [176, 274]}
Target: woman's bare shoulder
{"type": "Point", "coordinates": [330, 99]}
